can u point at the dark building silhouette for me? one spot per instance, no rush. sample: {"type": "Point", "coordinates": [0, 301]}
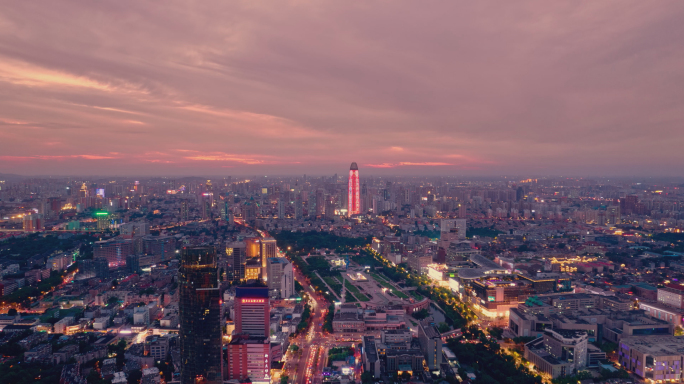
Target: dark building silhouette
{"type": "Point", "coordinates": [200, 317]}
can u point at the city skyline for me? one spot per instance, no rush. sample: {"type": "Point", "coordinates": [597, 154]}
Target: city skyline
{"type": "Point", "coordinates": [452, 89]}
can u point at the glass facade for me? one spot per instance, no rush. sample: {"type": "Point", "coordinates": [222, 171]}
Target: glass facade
{"type": "Point", "coordinates": [200, 317]}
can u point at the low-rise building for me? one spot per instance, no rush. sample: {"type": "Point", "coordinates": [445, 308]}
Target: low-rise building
{"type": "Point", "coordinates": [657, 359]}
{"type": "Point", "coordinates": [558, 352]}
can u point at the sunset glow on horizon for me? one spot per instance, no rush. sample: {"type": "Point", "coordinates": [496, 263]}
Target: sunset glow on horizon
{"type": "Point", "coordinates": [471, 88]}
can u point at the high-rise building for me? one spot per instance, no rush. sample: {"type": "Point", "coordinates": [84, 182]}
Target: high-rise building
{"type": "Point", "coordinates": [162, 248]}
{"type": "Point", "coordinates": [237, 260]}
{"type": "Point", "coordinates": [225, 210]}
{"type": "Point", "coordinates": [431, 343]}
{"type": "Point", "coordinates": [280, 278]}
{"type": "Point", "coordinates": [115, 251]}
{"type": "Point", "coordinates": [298, 208]}
{"type": "Point", "coordinates": [446, 238]}
{"type": "Point", "coordinates": [252, 310]}
{"type": "Point", "coordinates": [249, 357]}
{"type": "Point", "coordinates": [462, 227]}
{"type": "Point", "coordinates": [103, 221]}
{"type": "Point", "coordinates": [206, 209]}
{"type": "Point", "coordinates": [354, 193]}
{"type": "Point", "coordinates": [269, 249]}
{"type": "Point", "coordinates": [94, 268]}
{"type": "Point", "coordinates": [320, 202]}
{"type": "Point", "coordinates": [200, 317]}
{"type": "Point", "coordinates": [613, 215]}
{"type": "Point", "coordinates": [249, 211]}
{"type": "Point", "coordinates": [133, 263]}
{"type": "Point", "coordinates": [329, 208]}
{"type": "Point", "coordinates": [33, 222]}
{"type": "Point", "coordinates": [134, 229]}
{"type": "Point", "coordinates": [462, 210]}
{"type": "Point", "coordinates": [311, 204]}
{"type": "Point", "coordinates": [253, 246]}
{"type": "Point", "coordinates": [282, 205]}
{"type": "Point", "coordinates": [184, 212]}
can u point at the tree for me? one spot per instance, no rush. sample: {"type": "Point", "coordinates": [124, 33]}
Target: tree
{"type": "Point", "coordinates": [12, 312]}
{"type": "Point", "coordinates": [284, 379]}
{"type": "Point", "coordinates": [609, 347]}
{"type": "Point", "coordinates": [496, 332]}
{"type": "Point", "coordinates": [581, 375]}
{"type": "Point", "coordinates": [679, 331]}
{"type": "Point", "coordinates": [472, 333]}
{"type": "Point", "coordinates": [443, 327]}
{"type": "Point", "coordinates": [134, 376]}
{"type": "Point", "coordinates": [405, 376]}
{"type": "Point", "coordinates": [420, 315]}
{"type": "Point", "coordinates": [367, 378]}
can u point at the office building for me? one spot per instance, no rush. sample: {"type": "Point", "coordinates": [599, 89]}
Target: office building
{"type": "Point", "coordinates": [184, 211]}
{"type": "Point", "coordinates": [430, 343]}
{"type": "Point", "coordinates": [269, 249]}
{"type": "Point", "coordinates": [298, 207]}
{"type": "Point", "coordinates": [446, 226]}
{"type": "Point", "coordinates": [655, 359]}
{"type": "Point", "coordinates": [281, 207]}
{"type": "Point", "coordinates": [237, 261]}
{"type": "Point", "coordinates": [162, 248]}
{"type": "Point", "coordinates": [103, 221]}
{"type": "Point", "coordinates": [672, 295]}
{"type": "Point", "coordinates": [280, 278]}
{"type": "Point", "coordinates": [33, 222]}
{"type": "Point", "coordinates": [329, 208]}
{"type": "Point", "coordinates": [115, 251]}
{"type": "Point", "coordinates": [371, 359]}
{"type": "Point", "coordinates": [200, 317]}
{"type": "Point", "coordinates": [354, 193]}
{"type": "Point", "coordinates": [249, 357]}
{"type": "Point", "coordinates": [558, 352]}
{"type": "Point", "coordinates": [134, 229]}
{"type": "Point", "coordinates": [252, 311]}
{"type": "Point", "coordinates": [320, 202]}
{"type": "Point", "coordinates": [94, 268]}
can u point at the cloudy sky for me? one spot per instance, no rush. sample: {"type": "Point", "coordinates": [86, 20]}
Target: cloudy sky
{"type": "Point", "coordinates": [283, 87]}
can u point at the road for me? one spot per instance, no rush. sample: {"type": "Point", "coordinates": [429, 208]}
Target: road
{"type": "Point", "coordinates": [314, 344]}
{"type": "Point", "coordinates": [306, 366]}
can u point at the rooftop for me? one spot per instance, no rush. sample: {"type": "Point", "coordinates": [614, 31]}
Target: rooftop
{"type": "Point", "coordinates": [656, 345]}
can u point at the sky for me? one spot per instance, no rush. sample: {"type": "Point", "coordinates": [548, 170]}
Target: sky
{"type": "Point", "coordinates": [215, 87]}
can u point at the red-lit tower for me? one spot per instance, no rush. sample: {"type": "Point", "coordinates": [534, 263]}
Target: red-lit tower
{"type": "Point", "coordinates": [354, 191]}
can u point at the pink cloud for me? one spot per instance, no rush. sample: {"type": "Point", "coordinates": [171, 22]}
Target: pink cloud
{"type": "Point", "coordinates": [375, 83]}
{"type": "Point", "coordinates": [56, 157]}
{"type": "Point", "coordinates": [407, 164]}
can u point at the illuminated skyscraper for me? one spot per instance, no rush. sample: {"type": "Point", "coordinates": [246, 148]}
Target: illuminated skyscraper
{"type": "Point", "coordinates": [252, 311]}
{"type": "Point", "coordinates": [200, 317]}
{"type": "Point", "coordinates": [236, 261]}
{"type": "Point", "coordinates": [354, 191]}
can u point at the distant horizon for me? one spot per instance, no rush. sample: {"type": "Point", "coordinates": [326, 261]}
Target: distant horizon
{"type": "Point", "coordinates": [512, 178]}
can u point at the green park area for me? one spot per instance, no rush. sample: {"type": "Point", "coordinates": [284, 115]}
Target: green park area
{"type": "Point", "coordinates": [304, 242]}
{"type": "Point", "coordinates": [333, 284]}
{"type": "Point", "coordinates": [355, 291]}
{"type": "Point", "coordinates": [389, 286]}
